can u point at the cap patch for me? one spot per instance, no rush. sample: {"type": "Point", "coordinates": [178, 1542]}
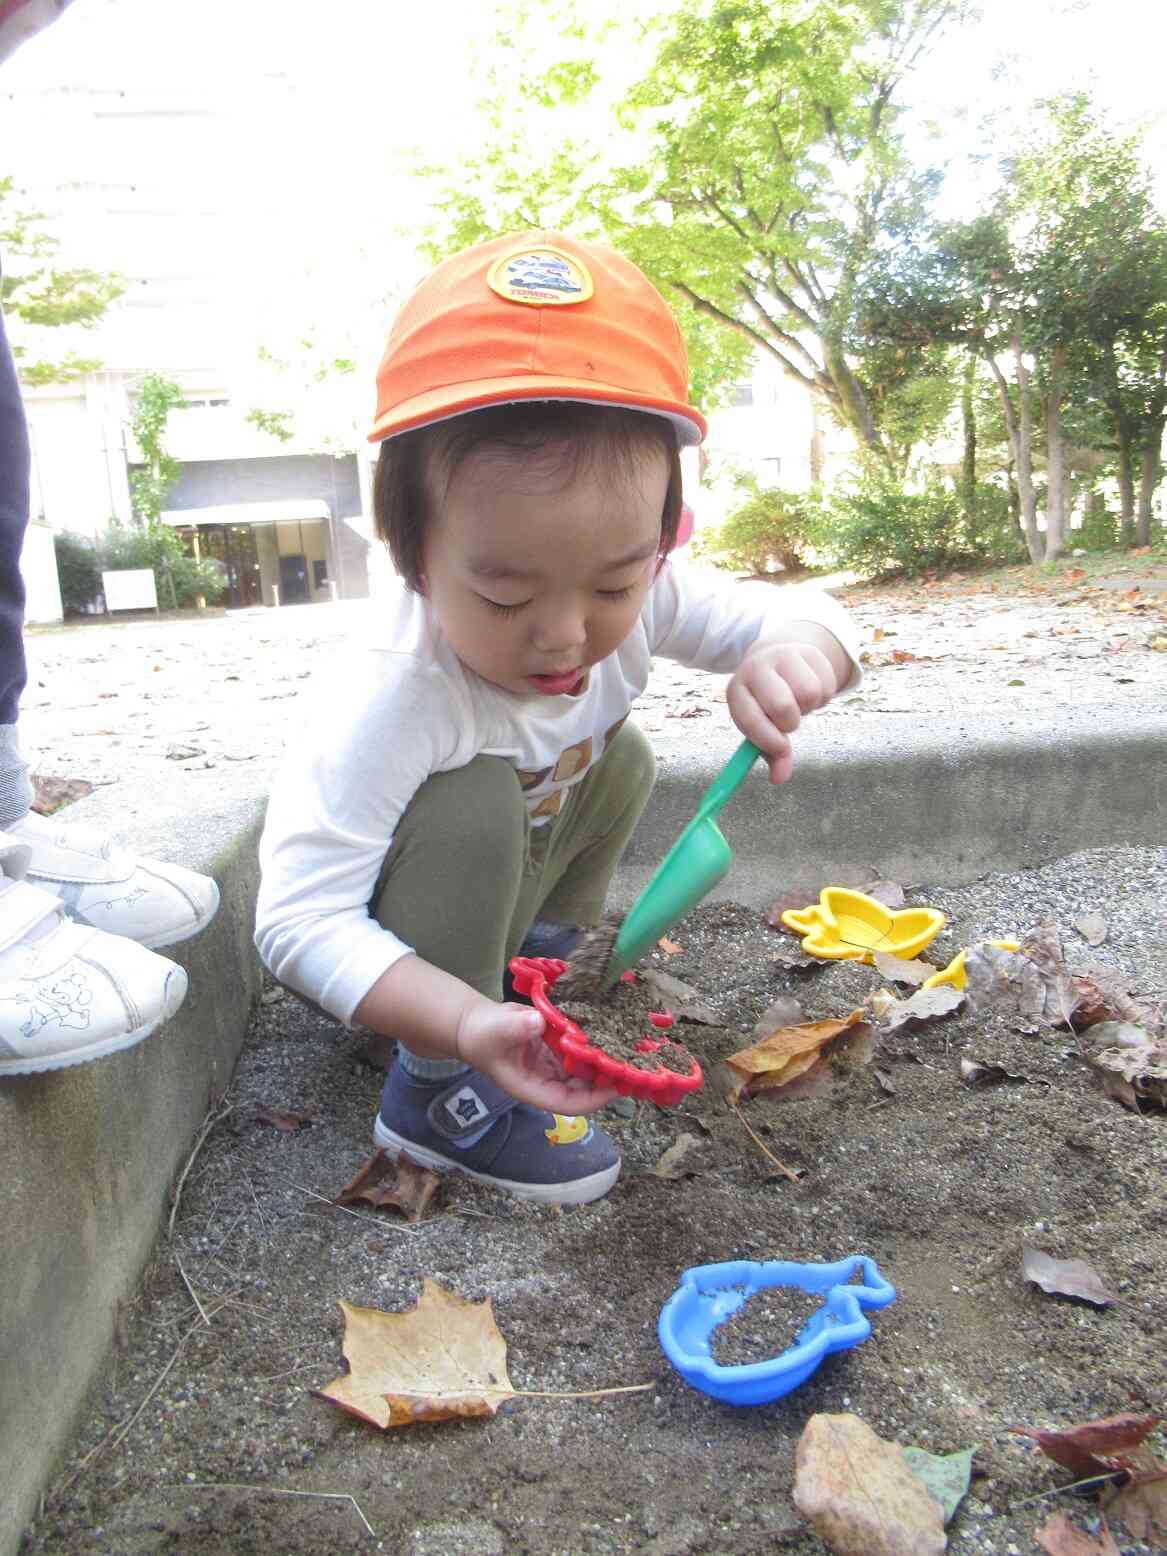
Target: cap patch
{"type": "Point", "coordinates": [539, 276]}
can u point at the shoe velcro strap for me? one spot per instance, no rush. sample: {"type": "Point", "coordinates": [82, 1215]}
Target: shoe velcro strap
{"type": "Point", "coordinates": [468, 1106]}
{"type": "Point", "coordinates": [22, 908]}
{"type": "Point", "coordinates": [83, 859]}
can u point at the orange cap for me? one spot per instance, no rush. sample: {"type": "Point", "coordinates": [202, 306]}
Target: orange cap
{"type": "Point", "coordinates": [533, 316]}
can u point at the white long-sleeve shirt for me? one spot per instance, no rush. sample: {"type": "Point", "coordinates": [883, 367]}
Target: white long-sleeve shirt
{"type": "Point", "coordinates": [404, 706]}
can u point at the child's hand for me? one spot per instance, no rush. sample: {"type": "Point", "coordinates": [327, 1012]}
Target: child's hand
{"type": "Point", "coordinates": [775, 684]}
{"type": "Point", "coordinates": [506, 1043]}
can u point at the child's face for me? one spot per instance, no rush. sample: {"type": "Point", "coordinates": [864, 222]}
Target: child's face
{"type": "Point", "coordinates": [537, 572]}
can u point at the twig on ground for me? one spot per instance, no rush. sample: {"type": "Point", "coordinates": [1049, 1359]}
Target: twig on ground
{"type": "Point", "coordinates": [384, 1226]}
{"type": "Point", "coordinates": [790, 1172]}
{"type": "Point", "coordinates": [1074, 1485]}
{"type": "Point", "coordinates": [216, 1113]}
{"type": "Point", "coordinates": [280, 1491]}
{"type": "Point", "coordinates": [193, 1294]}
{"type": "Point", "coordinates": [116, 1433]}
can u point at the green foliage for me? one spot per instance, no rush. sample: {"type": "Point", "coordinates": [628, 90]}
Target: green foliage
{"type": "Point", "coordinates": [154, 400]}
{"type": "Point", "coordinates": [178, 576]}
{"type": "Point", "coordinates": [769, 530]}
{"type": "Point", "coordinates": [78, 570]}
{"type": "Point", "coordinates": [750, 163]}
{"type": "Point", "coordinates": [278, 424]}
{"type": "Point", "coordinates": [875, 525]}
{"type": "Point", "coordinates": [1099, 528]}
{"type": "Point", "coordinates": [39, 295]}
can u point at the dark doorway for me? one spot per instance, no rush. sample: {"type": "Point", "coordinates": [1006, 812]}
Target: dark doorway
{"type": "Point", "coordinates": [234, 546]}
{"type": "Point", "coordinates": [293, 580]}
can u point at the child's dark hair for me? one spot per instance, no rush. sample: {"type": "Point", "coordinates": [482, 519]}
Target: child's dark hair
{"type": "Point", "coordinates": [412, 465]}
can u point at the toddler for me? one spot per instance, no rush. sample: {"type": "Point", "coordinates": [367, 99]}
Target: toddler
{"type": "Point", "coordinates": [469, 784]}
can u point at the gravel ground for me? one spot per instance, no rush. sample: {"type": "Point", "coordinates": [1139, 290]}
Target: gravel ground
{"type": "Point", "coordinates": [939, 1183]}
{"type": "Point", "coordinates": [237, 1321]}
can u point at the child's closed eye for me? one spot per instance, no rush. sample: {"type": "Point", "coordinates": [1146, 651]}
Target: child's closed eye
{"type": "Point", "coordinates": [503, 610]}
{"type": "Point", "coordinates": [616, 594]}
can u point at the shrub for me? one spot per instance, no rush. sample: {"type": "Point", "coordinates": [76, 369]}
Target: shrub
{"type": "Point", "coordinates": [876, 526]}
{"type": "Point", "coordinates": [180, 578]}
{"type": "Point", "coordinates": [78, 570]}
{"type": "Point", "coordinates": [768, 530]}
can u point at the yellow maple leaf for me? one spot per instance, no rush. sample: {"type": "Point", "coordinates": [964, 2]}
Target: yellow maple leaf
{"type": "Point", "coordinates": [442, 1359]}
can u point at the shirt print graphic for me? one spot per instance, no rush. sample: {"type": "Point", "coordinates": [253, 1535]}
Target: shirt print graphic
{"type": "Point", "coordinates": [545, 788]}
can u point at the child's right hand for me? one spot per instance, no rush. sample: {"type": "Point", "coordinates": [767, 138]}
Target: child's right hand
{"type": "Point", "coordinates": [506, 1043]}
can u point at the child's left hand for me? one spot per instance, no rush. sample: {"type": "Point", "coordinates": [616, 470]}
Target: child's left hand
{"type": "Point", "coordinates": [776, 683]}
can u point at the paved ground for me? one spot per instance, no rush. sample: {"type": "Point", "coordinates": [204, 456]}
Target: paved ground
{"type": "Point", "coordinates": [200, 706]}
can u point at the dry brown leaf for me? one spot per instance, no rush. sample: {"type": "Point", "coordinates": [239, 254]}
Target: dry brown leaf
{"type": "Point", "coordinates": [1131, 1064]}
{"type": "Point", "coordinates": [385, 1181]}
{"type": "Point", "coordinates": [1141, 1504]}
{"type": "Point", "coordinates": [52, 794]}
{"type": "Point", "coordinates": [784, 1055]}
{"type": "Point", "coordinates": [785, 1011]}
{"type": "Point", "coordinates": [1065, 1277]}
{"type": "Point", "coordinates": [789, 954]}
{"type": "Point", "coordinates": [987, 1072]}
{"type": "Point", "coordinates": [858, 1492]}
{"type": "Point", "coordinates": [282, 1119]}
{"type": "Point", "coordinates": [1092, 1447]}
{"type": "Point", "coordinates": [1104, 995]}
{"type": "Point", "coordinates": [443, 1359]}
{"type": "Point", "coordinates": [677, 1161]}
{"type": "Point", "coordinates": [1059, 1537]}
{"type": "Point", "coordinates": [924, 1005]}
{"type": "Point", "coordinates": [890, 893]}
{"type": "Point", "coordinates": [682, 999]}
{"type": "Point", "coordinates": [1035, 990]}
{"type": "Point", "coordinates": [1092, 927]}
{"type": "Point", "coordinates": [901, 971]}
{"type": "Point", "coordinates": [669, 947]}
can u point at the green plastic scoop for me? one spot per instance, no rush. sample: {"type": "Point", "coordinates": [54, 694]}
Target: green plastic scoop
{"type": "Point", "coordinates": [692, 867]}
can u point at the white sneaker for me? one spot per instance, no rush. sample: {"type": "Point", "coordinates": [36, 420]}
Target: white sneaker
{"type": "Point", "coordinates": [102, 884]}
{"type": "Point", "coordinates": [69, 993]}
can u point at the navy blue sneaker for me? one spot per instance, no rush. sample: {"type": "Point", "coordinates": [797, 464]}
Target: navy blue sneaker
{"type": "Point", "coordinates": [471, 1125]}
{"type": "Point", "coordinates": [542, 939]}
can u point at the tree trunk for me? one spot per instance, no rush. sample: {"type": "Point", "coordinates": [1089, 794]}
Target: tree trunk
{"type": "Point", "coordinates": [968, 478]}
{"type": "Point", "coordinates": [1019, 425]}
{"type": "Point", "coordinates": [1055, 460]}
{"type": "Point", "coordinates": [1148, 480]}
{"type": "Point", "coordinates": [817, 448]}
{"type": "Point", "coordinates": [1126, 488]}
{"type": "Point", "coordinates": [853, 401]}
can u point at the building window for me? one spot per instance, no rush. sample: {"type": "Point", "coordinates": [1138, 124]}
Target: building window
{"type": "Point", "coordinates": [742, 393]}
{"type": "Point", "coordinates": [769, 470]}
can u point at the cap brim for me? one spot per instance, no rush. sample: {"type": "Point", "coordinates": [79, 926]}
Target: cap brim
{"type": "Point", "coordinates": [443, 403]}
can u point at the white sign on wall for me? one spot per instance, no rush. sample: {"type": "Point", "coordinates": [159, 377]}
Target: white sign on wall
{"type": "Point", "coordinates": [130, 589]}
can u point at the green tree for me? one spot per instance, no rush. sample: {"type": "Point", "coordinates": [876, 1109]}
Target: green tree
{"type": "Point", "coordinates": [40, 295]}
{"type": "Point", "coordinates": [1052, 285]}
{"type": "Point", "coordinates": [750, 169]}
{"type": "Point", "coordinates": [154, 399]}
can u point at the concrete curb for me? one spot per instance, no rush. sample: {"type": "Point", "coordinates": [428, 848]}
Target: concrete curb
{"type": "Point", "coordinates": [88, 1155]}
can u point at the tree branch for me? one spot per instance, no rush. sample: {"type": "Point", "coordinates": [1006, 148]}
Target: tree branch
{"type": "Point", "coordinates": [711, 310]}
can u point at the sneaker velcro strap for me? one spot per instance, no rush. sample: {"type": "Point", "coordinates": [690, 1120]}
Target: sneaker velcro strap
{"type": "Point", "coordinates": [15, 856]}
{"type": "Point", "coordinates": [468, 1107]}
{"type": "Point", "coordinates": [22, 908]}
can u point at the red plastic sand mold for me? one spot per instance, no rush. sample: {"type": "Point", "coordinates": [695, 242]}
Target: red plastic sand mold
{"type": "Point", "coordinates": [534, 976]}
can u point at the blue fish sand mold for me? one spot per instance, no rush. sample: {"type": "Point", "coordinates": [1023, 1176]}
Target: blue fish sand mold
{"type": "Point", "coordinates": [710, 1293]}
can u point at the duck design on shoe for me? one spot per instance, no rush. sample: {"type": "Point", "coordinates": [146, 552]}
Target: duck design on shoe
{"type": "Point", "coordinates": [567, 1128]}
{"type": "Point", "coordinates": [468, 1124]}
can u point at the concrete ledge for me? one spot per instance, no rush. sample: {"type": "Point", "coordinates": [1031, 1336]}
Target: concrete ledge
{"type": "Point", "coordinates": [88, 1155]}
{"type": "Point", "coordinates": [87, 1159]}
{"type": "Point", "coordinates": [915, 802]}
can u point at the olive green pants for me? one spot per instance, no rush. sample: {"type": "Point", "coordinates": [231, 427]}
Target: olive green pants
{"type": "Point", "coordinates": [467, 874]}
